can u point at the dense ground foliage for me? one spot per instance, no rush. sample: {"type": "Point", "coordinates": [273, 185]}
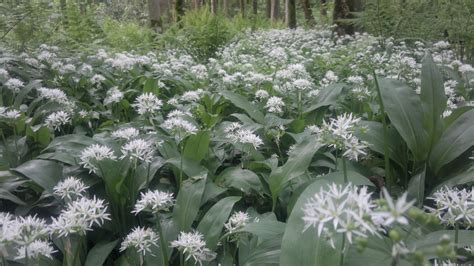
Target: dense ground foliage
{"type": "Point", "coordinates": [289, 147]}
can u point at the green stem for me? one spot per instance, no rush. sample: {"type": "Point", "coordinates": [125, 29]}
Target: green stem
{"type": "Point", "coordinates": [344, 168]}
{"type": "Point", "coordinates": [180, 183]}
{"type": "Point", "coordinates": [385, 135]}
{"type": "Point", "coordinates": [341, 260]}
{"type": "Point", "coordinates": [300, 115]}
{"type": "Point", "coordinates": [456, 236]}
{"type": "Point", "coordinates": [16, 146]}
{"type": "Point", "coordinates": [181, 259]}
{"type": "Point", "coordinates": [26, 255]}
{"type": "Point", "coordinates": [162, 241]}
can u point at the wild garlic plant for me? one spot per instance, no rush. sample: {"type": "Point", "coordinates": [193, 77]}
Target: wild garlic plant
{"type": "Point", "coordinates": [340, 134]}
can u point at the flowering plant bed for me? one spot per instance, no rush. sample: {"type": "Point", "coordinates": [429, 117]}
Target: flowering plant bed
{"type": "Point", "coordinates": [290, 147]}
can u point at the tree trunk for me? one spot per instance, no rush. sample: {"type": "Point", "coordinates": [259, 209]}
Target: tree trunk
{"type": "Point", "coordinates": [308, 13]}
{"type": "Point", "coordinates": [225, 7]}
{"type": "Point", "coordinates": [255, 7]}
{"type": "Point", "coordinates": [196, 4]}
{"type": "Point", "coordinates": [242, 7]}
{"type": "Point", "coordinates": [342, 11]}
{"type": "Point", "coordinates": [213, 6]}
{"type": "Point", "coordinates": [275, 12]}
{"type": "Point", "coordinates": [290, 13]}
{"type": "Point", "coordinates": [179, 7]}
{"type": "Point", "coordinates": [154, 14]}
{"type": "Point", "coordinates": [63, 7]}
{"type": "Point", "coordinates": [324, 8]}
{"type": "Point", "coordinates": [268, 10]}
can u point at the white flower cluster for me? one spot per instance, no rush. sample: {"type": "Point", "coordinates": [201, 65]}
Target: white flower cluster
{"type": "Point", "coordinates": [453, 206]}
{"type": "Point", "coordinates": [125, 133]}
{"type": "Point", "coordinates": [93, 154]}
{"type": "Point", "coordinates": [147, 104]}
{"type": "Point", "coordinates": [27, 234]}
{"type": "Point", "coordinates": [140, 239]}
{"type": "Point", "coordinates": [57, 119]}
{"type": "Point", "coordinates": [349, 210]}
{"type": "Point", "coordinates": [138, 149]}
{"type": "Point", "coordinates": [70, 188]}
{"type": "Point", "coordinates": [35, 250]}
{"type": "Point", "coordinates": [15, 85]}
{"type": "Point", "coordinates": [154, 202]}
{"type": "Point", "coordinates": [178, 125]}
{"type": "Point", "coordinates": [339, 134]}
{"type": "Point", "coordinates": [193, 246]}
{"type": "Point", "coordinates": [236, 221]}
{"type": "Point", "coordinates": [113, 95]}
{"type": "Point", "coordinates": [237, 134]}
{"type": "Point", "coordinates": [80, 216]}
{"type": "Point", "coordinates": [275, 105]}
{"type": "Point", "coordinates": [9, 114]}
{"type": "Point", "coordinates": [54, 95]}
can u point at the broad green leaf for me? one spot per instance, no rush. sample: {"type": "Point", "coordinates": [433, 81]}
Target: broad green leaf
{"type": "Point", "coordinates": [44, 173]}
{"type": "Point", "coordinates": [190, 167]}
{"type": "Point", "coordinates": [197, 146]}
{"type": "Point", "coordinates": [188, 202]}
{"type": "Point", "coordinates": [306, 248]}
{"type": "Point", "coordinates": [466, 238]}
{"type": "Point", "coordinates": [374, 136]}
{"type": "Point", "coordinates": [352, 177]}
{"type": "Point", "coordinates": [264, 229]}
{"type": "Point", "coordinates": [267, 252]}
{"type": "Point", "coordinates": [416, 188]}
{"type": "Point", "coordinates": [211, 191]}
{"type": "Point", "coordinates": [378, 252]}
{"type": "Point", "coordinates": [296, 165]}
{"type": "Point", "coordinates": [99, 253]}
{"type": "Point", "coordinates": [335, 177]}
{"type": "Point", "coordinates": [242, 103]}
{"type": "Point", "coordinates": [403, 107]}
{"type": "Point", "coordinates": [456, 139]}
{"type": "Point", "coordinates": [459, 179]}
{"type": "Point", "coordinates": [212, 223]}
{"type": "Point", "coordinates": [7, 195]}
{"type": "Point", "coordinates": [327, 96]}
{"type": "Point", "coordinates": [433, 98]}
{"type": "Point", "coordinates": [241, 179]}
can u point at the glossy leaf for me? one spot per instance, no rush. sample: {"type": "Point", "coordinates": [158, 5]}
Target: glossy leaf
{"type": "Point", "coordinates": [212, 223]}
{"type": "Point", "coordinates": [456, 139]}
{"type": "Point", "coordinates": [306, 248]}
{"type": "Point", "coordinates": [403, 107]}
{"type": "Point", "coordinates": [433, 98]}
{"type": "Point", "coordinates": [44, 173]}
{"type": "Point", "coordinates": [242, 103]}
{"type": "Point", "coordinates": [188, 202]}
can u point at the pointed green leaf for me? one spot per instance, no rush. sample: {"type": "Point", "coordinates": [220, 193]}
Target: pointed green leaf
{"type": "Point", "coordinates": [242, 103]}
{"type": "Point", "coordinates": [433, 97]}
{"type": "Point", "coordinates": [212, 223]}
{"type": "Point", "coordinates": [403, 107]}
{"type": "Point", "coordinates": [188, 202]}
{"type": "Point", "coordinates": [456, 139]}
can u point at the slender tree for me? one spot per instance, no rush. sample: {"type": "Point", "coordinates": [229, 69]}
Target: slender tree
{"type": "Point", "coordinates": [225, 7]}
{"type": "Point", "coordinates": [275, 10]}
{"type": "Point", "coordinates": [324, 8]}
{"type": "Point", "coordinates": [268, 8]}
{"type": "Point", "coordinates": [255, 7]}
{"type": "Point", "coordinates": [308, 12]}
{"type": "Point", "coordinates": [154, 14]}
{"type": "Point", "coordinates": [213, 6]}
{"type": "Point", "coordinates": [341, 12]}
{"type": "Point", "coordinates": [290, 13]}
{"type": "Point", "coordinates": [242, 7]}
{"type": "Point", "coordinates": [179, 8]}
